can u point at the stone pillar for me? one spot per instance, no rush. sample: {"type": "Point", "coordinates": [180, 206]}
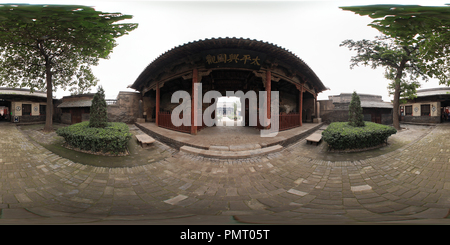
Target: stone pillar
{"type": "Point", "coordinates": [140, 118]}
{"type": "Point", "coordinates": [193, 100]}
{"type": "Point", "coordinates": [318, 109]}
{"type": "Point", "coordinates": [317, 119]}
{"type": "Point", "coordinates": [157, 104]}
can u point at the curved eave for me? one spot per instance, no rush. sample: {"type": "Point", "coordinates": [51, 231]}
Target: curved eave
{"type": "Point", "coordinates": [192, 48]}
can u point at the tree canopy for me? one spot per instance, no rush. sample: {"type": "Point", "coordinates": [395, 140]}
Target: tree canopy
{"type": "Point", "coordinates": [404, 21]}
{"type": "Point", "coordinates": [414, 44]}
{"type": "Point", "coordinates": [427, 28]}
{"type": "Point", "coordinates": [49, 46]}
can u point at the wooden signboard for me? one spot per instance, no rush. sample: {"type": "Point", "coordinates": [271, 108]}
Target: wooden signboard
{"type": "Point", "coordinates": [233, 58]}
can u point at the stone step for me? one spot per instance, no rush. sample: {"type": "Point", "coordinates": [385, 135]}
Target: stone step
{"type": "Point", "coordinates": [244, 147]}
{"type": "Point", "coordinates": [231, 154]}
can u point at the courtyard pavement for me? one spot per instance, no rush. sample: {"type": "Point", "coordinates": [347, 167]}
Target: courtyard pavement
{"type": "Point", "coordinates": [408, 185]}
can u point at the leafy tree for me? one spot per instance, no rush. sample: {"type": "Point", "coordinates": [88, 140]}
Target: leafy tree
{"type": "Point", "coordinates": [414, 45]}
{"type": "Point", "coordinates": [401, 63]}
{"type": "Point", "coordinates": [48, 46]}
{"type": "Point", "coordinates": [355, 112]}
{"type": "Point", "coordinates": [98, 117]}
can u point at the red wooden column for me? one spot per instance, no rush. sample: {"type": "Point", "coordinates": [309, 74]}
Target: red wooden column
{"type": "Point", "coordinates": [300, 105]}
{"type": "Point", "coordinates": [268, 90]}
{"type": "Point", "coordinates": [157, 104]}
{"type": "Point", "coordinates": [194, 105]}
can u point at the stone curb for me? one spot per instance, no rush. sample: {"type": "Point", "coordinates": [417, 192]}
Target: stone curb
{"type": "Point", "coordinates": [231, 154]}
{"type": "Point", "coordinates": [245, 147]}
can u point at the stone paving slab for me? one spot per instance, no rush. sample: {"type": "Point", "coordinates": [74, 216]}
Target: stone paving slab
{"type": "Point", "coordinates": [408, 185]}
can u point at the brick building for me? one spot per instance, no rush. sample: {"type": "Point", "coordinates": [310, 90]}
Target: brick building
{"type": "Point", "coordinates": [430, 106]}
{"type": "Point", "coordinates": [22, 105]}
{"type": "Point", "coordinates": [335, 109]}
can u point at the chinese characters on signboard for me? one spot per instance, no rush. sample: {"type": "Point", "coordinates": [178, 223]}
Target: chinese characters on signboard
{"type": "Point", "coordinates": [222, 58]}
{"type": "Point", "coordinates": [233, 58]}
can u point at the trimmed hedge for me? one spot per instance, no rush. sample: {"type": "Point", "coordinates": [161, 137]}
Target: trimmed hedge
{"type": "Point", "coordinates": [342, 136]}
{"type": "Point", "coordinates": [113, 138]}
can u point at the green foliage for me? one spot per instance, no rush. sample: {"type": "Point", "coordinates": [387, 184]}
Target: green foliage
{"type": "Point", "coordinates": [419, 46]}
{"type": "Point", "coordinates": [341, 136]}
{"type": "Point", "coordinates": [423, 27]}
{"type": "Point", "coordinates": [355, 115]}
{"type": "Point", "coordinates": [99, 110]}
{"type": "Point", "coordinates": [66, 38]}
{"type": "Point", "coordinates": [44, 47]}
{"type": "Point", "coordinates": [114, 138]}
{"type": "Point", "coordinates": [405, 21]}
{"type": "Point", "coordinates": [407, 90]}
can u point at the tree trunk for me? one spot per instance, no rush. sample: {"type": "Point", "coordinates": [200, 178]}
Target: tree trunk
{"type": "Point", "coordinates": [396, 104]}
{"type": "Point", "coordinates": [49, 111]}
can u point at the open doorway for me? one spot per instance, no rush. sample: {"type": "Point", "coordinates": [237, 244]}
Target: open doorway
{"type": "Point", "coordinates": [5, 110]}
{"type": "Point", "coordinates": [228, 111]}
{"type": "Point", "coordinates": [445, 111]}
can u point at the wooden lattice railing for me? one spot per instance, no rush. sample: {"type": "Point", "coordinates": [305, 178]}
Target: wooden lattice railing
{"type": "Point", "coordinates": [165, 121]}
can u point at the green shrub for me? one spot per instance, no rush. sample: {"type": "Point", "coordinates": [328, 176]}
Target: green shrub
{"type": "Point", "coordinates": [355, 112]}
{"type": "Point", "coordinates": [113, 138]}
{"type": "Point", "coordinates": [342, 136]}
{"type": "Point", "coordinates": [98, 117]}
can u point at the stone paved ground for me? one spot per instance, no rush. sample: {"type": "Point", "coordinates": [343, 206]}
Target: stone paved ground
{"type": "Point", "coordinates": [408, 185]}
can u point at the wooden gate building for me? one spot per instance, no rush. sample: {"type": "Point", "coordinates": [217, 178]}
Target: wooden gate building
{"type": "Point", "coordinates": [229, 64]}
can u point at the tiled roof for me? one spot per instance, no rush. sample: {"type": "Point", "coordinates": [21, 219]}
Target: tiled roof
{"type": "Point", "coordinates": [376, 104]}
{"type": "Point", "coordinates": [19, 91]}
{"type": "Point", "coordinates": [78, 103]}
{"type": "Point", "coordinates": [433, 91]}
{"type": "Point", "coordinates": [192, 48]}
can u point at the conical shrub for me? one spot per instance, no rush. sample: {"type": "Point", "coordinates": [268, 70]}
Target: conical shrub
{"type": "Point", "coordinates": [355, 115]}
{"type": "Point", "coordinates": [99, 110]}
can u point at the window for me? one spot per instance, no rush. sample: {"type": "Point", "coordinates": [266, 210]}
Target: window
{"type": "Point", "coordinates": [42, 109]}
{"type": "Point", "coordinates": [425, 110]}
{"type": "Point", "coordinates": [26, 109]}
{"type": "Point", "coordinates": [408, 110]}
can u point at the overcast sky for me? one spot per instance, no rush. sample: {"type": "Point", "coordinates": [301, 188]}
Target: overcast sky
{"type": "Point", "coordinates": [312, 30]}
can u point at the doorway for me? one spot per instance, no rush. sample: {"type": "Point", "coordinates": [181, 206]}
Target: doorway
{"type": "Point", "coordinates": [445, 111]}
{"type": "Point", "coordinates": [228, 111]}
{"type": "Point", "coordinates": [5, 110]}
{"type": "Point", "coordinates": [76, 115]}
